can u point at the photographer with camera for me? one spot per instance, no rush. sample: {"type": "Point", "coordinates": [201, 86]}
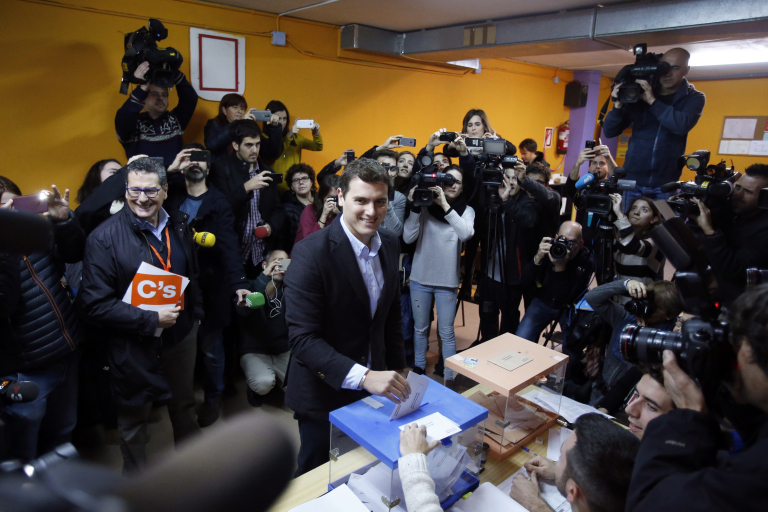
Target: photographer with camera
{"type": "Point", "coordinates": [601, 166]}
{"type": "Point", "coordinates": [250, 189]}
{"type": "Point", "coordinates": [500, 288]}
{"type": "Point", "coordinates": [155, 131]}
{"type": "Point", "coordinates": [439, 231]}
{"type": "Point", "coordinates": [218, 139]}
{"type": "Point", "coordinates": [322, 211]}
{"type": "Point", "coordinates": [560, 273]}
{"type": "Point", "coordinates": [658, 305]}
{"type": "Point", "coordinates": [679, 465]}
{"type": "Point", "coordinates": [736, 238]}
{"type": "Point", "coordinates": [534, 179]}
{"type": "Point", "coordinates": [660, 121]}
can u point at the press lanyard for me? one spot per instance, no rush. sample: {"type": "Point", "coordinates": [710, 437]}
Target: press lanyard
{"type": "Point", "coordinates": [166, 266]}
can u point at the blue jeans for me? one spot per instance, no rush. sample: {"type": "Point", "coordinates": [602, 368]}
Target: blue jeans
{"type": "Point", "coordinates": [40, 426]}
{"type": "Point", "coordinates": [651, 193]}
{"type": "Point", "coordinates": [537, 316]}
{"type": "Point", "coordinates": [421, 301]}
{"type": "Point", "coordinates": [211, 344]}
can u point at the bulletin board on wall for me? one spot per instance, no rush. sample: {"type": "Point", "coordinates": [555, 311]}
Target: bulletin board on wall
{"type": "Point", "coordinates": [744, 135]}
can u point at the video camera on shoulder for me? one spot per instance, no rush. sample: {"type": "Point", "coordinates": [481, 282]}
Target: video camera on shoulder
{"type": "Point", "coordinates": [713, 185]}
{"type": "Point", "coordinates": [141, 46]}
{"type": "Point", "coordinates": [647, 66]}
{"type": "Point", "coordinates": [428, 177]}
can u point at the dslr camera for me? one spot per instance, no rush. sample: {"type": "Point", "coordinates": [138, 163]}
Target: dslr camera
{"type": "Point", "coordinates": [140, 46]}
{"type": "Point", "coordinates": [647, 66]}
{"type": "Point", "coordinates": [427, 177]}
{"type": "Point", "coordinates": [702, 347]}
{"type": "Point", "coordinates": [560, 247]}
{"type": "Point", "coordinates": [713, 185]}
{"type": "Point", "coordinates": [641, 308]}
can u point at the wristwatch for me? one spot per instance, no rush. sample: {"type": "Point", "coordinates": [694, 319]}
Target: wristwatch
{"type": "Point", "coordinates": [363, 379]}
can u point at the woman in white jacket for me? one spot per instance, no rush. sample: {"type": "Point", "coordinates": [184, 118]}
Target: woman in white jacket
{"type": "Point", "coordinates": [439, 232]}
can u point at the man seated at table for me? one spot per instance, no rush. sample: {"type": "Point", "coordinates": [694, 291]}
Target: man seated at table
{"type": "Point", "coordinates": [593, 472]}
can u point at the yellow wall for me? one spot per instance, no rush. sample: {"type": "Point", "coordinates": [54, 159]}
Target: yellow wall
{"type": "Point", "coordinates": [727, 98]}
{"type": "Point", "coordinates": [61, 75]}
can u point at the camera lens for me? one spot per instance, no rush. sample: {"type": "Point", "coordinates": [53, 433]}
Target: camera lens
{"type": "Point", "coordinates": [647, 345]}
{"type": "Point", "coordinates": [558, 251]}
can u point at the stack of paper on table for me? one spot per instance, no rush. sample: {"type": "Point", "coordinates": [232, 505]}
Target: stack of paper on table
{"type": "Point", "coordinates": [548, 490]}
{"type": "Point", "coordinates": [522, 420]}
{"type": "Point", "coordinates": [341, 499]}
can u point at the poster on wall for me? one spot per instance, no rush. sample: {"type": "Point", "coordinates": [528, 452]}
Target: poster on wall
{"type": "Point", "coordinates": [217, 63]}
{"type": "Point", "coordinates": [549, 133]}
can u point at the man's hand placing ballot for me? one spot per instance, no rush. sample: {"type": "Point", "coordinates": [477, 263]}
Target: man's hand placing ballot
{"type": "Point", "coordinates": [390, 385]}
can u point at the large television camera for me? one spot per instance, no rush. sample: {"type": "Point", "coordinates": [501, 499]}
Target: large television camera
{"type": "Point", "coordinates": [490, 168]}
{"type": "Point", "coordinates": [427, 177]}
{"type": "Point", "coordinates": [594, 194]}
{"type": "Point", "coordinates": [702, 347]}
{"type": "Point", "coordinates": [647, 66]}
{"type": "Point", "coordinates": [713, 185]}
{"type": "Point", "coordinates": [141, 46]}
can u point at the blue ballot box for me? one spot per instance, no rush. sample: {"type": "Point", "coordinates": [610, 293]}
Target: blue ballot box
{"type": "Point", "coordinates": [365, 447]}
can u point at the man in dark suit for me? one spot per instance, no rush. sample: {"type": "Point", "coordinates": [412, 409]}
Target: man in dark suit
{"type": "Point", "coordinates": [343, 312]}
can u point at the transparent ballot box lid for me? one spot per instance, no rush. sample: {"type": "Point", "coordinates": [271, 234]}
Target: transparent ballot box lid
{"type": "Point", "coordinates": [520, 384]}
{"type": "Point", "coordinates": [365, 447]}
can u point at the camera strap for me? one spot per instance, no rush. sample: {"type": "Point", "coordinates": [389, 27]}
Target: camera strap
{"type": "Point", "coordinates": [604, 110]}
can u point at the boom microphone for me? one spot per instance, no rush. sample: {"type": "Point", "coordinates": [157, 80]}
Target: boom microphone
{"type": "Point", "coordinates": [205, 239]}
{"type": "Point", "coordinates": [671, 187]}
{"type": "Point", "coordinates": [255, 300]}
{"type": "Point", "coordinates": [18, 392]}
{"type": "Point", "coordinates": [585, 180]}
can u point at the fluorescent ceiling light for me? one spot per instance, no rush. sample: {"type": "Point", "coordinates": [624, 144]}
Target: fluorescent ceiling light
{"type": "Point", "coordinates": [722, 57]}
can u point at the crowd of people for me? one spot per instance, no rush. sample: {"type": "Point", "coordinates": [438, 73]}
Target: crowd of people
{"type": "Point", "coordinates": [371, 266]}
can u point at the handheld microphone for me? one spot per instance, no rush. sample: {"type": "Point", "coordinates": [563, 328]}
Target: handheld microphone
{"type": "Point", "coordinates": [205, 239]}
{"type": "Point", "coordinates": [584, 181]}
{"type": "Point", "coordinates": [18, 392]}
{"type": "Point", "coordinates": [255, 300]}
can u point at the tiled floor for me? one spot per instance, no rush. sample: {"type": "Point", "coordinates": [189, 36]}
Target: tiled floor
{"type": "Point", "coordinates": [92, 447]}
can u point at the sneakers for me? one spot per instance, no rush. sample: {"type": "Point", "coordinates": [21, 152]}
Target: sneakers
{"type": "Point", "coordinates": [209, 412]}
{"type": "Point", "coordinates": [254, 399]}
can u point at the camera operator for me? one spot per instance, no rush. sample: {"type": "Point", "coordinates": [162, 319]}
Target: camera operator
{"type": "Point", "coordinates": [679, 466]}
{"type": "Point", "coordinates": [500, 288]}
{"type": "Point", "coordinates": [439, 232]}
{"type": "Point", "coordinates": [222, 276]}
{"type": "Point", "coordinates": [156, 131]}
{"type": "Point", "coordinates": [558, 282]}
{"type": "Point", "coordinates": [534, 179]}
{"type": "Point", "coordinates": [601, 165]}
{"type": "Point", "coordinates": [663, 305]}
{"type": "Point", "coordinates": [736, 239]}
{"type": "Point", "coordinates": [40, 332]}
{"type": "Point", "coordinates": [245, 180]}
{"type": "Point", "coordinates": [660, 127]}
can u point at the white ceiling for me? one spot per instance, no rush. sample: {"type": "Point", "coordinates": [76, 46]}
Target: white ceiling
{"type": "Point", "coordinates": [411, 15]}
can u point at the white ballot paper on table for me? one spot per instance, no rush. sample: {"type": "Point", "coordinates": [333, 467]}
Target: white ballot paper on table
{"type": "Point", "coordinates": [341, 499]}
{"type": "Point", "coordinates": [486, 498]}
{"type": "Point", "coordinates": [549, 492]}
{"type": "Point", "coordinates": [156, 289]}
{"type": "Point", "coordinates": [556, 440]}
{"type": "Point", "coordinates": [418, 384]}
{"type": "Point", "coordinates": [438, 426]}
{"type": "Point", "coordinates": [510, 360]}
{"type": "Point", "coordinates": [569, 409]}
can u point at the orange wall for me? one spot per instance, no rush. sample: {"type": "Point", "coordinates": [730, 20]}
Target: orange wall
{"type": "Point", "coordinates": [747, 97]}
{"type": "Point", "coordinates": [61, 75]}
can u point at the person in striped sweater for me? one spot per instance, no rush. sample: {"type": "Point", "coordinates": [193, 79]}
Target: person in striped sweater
{"type": "Point", "coordinates": [637, 256]}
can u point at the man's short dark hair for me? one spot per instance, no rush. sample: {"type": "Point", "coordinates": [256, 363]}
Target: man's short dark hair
{"type": "Point", "coordinates": [387, 153]}
{"type": "Point", "coordinates": [757, 171]}
{"type": "Point", "coordinates": [242, 129]}
{"type": "Point", "coordinates": [539, 169]}
{"type": "Point", "coordinates": [194, 145]}
{"type": "Point", "coordinates": [601, 462]}
{"type": "Point", "coordinates": [148, 166]}
{"type": "Point", "coordinates": [370, 171]}
{"type": "Point", "coordinates": [529, 145]}
{"type": "Point", "coordinates": [748, 319]}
